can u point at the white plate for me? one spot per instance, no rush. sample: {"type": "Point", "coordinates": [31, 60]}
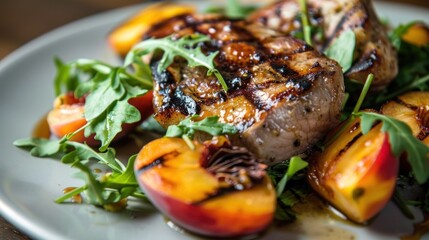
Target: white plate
{"type": "Point", "coordinates": [28, 185]}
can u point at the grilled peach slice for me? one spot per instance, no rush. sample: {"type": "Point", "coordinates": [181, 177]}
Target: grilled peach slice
{"type": "Point", "coordinates": [417, 34]}
{"type": "Point", "coordinates": [214, 190]}
{"type": "Point", "coordinates": [126, 35]}
{"type": "Point", "coordinates": [356, 173]}
{"type": "Point", "coordinates": [67, 116]}
{"type": "Point", "coordinates": [413, 109]}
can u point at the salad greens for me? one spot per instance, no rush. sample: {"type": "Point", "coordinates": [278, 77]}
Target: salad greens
{"type": "Point", "coordinates": [107, 189]}
{"type": "Point", "coordinates": [108, 90]}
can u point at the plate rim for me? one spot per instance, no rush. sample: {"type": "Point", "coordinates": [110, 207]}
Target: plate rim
{"type": "Point", "coordinates": [7, 211]}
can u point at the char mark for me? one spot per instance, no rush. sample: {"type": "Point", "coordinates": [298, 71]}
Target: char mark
{"type": "Point", "coordinates": [173, 97]}
{"type": "Point", "coordinates": [283, 69]}
{"type": "Point", "coordinates": [340, 26]}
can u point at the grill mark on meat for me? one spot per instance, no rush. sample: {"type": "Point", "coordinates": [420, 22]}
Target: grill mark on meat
{"type": "Point", "coordinates": [284, 70]}
{"type": "Point", "coordinates": [341, 26]}
{"type": "Point", "coordinates": [174, 97]}
{"type": "Point", "coordinates": [373, 52]}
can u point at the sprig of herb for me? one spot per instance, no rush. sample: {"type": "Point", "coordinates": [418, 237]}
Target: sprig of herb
{"type": "Point", "coordinates": [187, 47]}
{"type": "Point", "coordinates": [401, 140]}
{"type": "Point", "coordinates": [107, 90]}
{"type": "Point", "coordinates": [187, 128]}
{"type": "Point", "coordinates": [108, 189]}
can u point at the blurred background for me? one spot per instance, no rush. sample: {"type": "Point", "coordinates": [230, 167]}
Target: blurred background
{"type": "Point", "coordinates": [23, 20]}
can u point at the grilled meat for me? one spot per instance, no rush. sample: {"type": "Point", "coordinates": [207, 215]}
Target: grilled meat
{"type": "Point", "coordinates": [373, 53]}
{"type": "Point", "coordinates": [283, 95]}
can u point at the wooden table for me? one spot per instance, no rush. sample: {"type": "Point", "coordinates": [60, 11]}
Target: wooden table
{"type": "Point", "coordinates": [23, 20]}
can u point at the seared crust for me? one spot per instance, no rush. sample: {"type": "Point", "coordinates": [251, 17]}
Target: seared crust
{"type": "Point", "coordinates": [374, 53]}
{"type": "Point", "coordinates": [283, 95]}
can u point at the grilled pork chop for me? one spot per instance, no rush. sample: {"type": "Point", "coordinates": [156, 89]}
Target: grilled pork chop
{"type": "Point", "coordinates": [283, 95]}
{"type": "Point", "coordinates": [373, 53]}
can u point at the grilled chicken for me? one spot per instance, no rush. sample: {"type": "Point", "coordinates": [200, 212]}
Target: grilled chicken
{"type": "Point", "coordinates": [373, 53]}
{"type": "Point", "coordinates": [283, 95]}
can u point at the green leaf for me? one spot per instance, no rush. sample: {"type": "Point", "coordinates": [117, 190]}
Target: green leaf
{"type": "Point", "coordinates": [119, 184]}
{"type": "Point", "coordinates": [100, 100]}
{"type": "Point", "coordinates": [124, 179]}
{"type": "Point", "coordinates": [210, 125]}
{"type": "Point", "coordinates": [185, 47]}
{"type": "Point", "coordinates": [84, 152]}
{"type": "Point", "coordinates": [39, 147]}
{"type": "Point", "coordinates": [187, 127]}
{"type": "Point", "coordinates": [109, 124]}
{"type": "Point", "coordinates": [296, 164]}
{"type": "Point", "coordinates": [107, 90]}
{"type": "Point", "coordinates": [174, 131]}
{"type": "Point", "coordinates": [65, 79]}
{"type": "Point", "coordinates": [342, 50]}
{"type": "Point", "coordinates": [401, 141]}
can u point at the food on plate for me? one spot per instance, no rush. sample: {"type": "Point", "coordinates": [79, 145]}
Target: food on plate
{"type": "Point", "coordinates": [130, 32]}
{"type": "Point", "coordinates": [373, 53]}
{"type": "Point", "coordinates": [413, 109]}
{"type": "Point", "coordinates": [283, 95]}
{"type": "Point", "coordinates": [248, 103]}
{"type": "Point", "coordinates": [67, 117]}
{"type": "Point", "coordinates": [356, 173]}
{"type": "Point", "coordinates": [215, 190]}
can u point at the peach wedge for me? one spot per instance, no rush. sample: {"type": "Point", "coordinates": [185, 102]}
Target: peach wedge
{"type": "Point", "coordinates": [67, 116]}
{"type": "Point", "coordinates": [356, 173]}
{"type": "Point", "coordinates": [130, 32]}
{"type": "Point", "coordinates": [214, 190]}
{"type": "Point", "coordinates": [413, 109]}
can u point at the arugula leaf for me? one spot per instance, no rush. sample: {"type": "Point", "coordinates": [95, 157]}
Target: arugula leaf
{"type": "Point", "coordinates": [109, 189]}
{"type": "Point", "coordinates": [187, 128]}
{"type": "Point", "coordinates": [39, 147]}
{"type": "Point", "coordinates": [125, 178]}
{"type": "Point", "coordinates": [296, 164]}
{"type": "Point", "coordinates": [184, 47]}
{"type": "Point", "coordinates": [402, 141]}
{"type": "Point", "coordinates": [342, 50]}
